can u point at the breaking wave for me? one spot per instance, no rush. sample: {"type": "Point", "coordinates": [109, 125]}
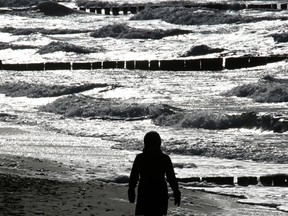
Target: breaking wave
{"type": "Point", "coordinates": [197, 16]}
{"type": "Point", "coordinates": [33, 90]}
{"type": "Point", "coordinates": [207, 120]}
{"type": "Point", "coordinates": [280, 38]}
{"type": "Point", "coordinates": [218, 121]}
{"type": "Point", "coordinates": [124, 31]}
{"type": "Point", "coordinates": [161, 114]}
{"type": "Point", "coordinates": [89, 107]}
{"type": "Point", "coordinates": [17, 3]}
{"type": "Point", "coordinates": [238, 151]}
{"type": "Point", "coordinates": [268, 89]}
{"type": "Point", "coordinates": [4, 45]}
{"type": "Point", "coordinates": [201, 50]}
{"type": "Point", "coordinates": [7, 117]}
{"type": "Point", "coordinates": [57, 46]}
{"type": "Point", "coordinates": [51, 8]}
{"type": "Point", "coordinates": [28, 31]}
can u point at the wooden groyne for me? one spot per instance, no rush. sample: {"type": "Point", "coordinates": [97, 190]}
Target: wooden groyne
{"type": "Point", "coordinates": [113, 10]}
{"type": "Point", "coordinates": [277, 180]}
{"type": "Point", "coordinates": [209, 64]}
{"type": "Point", "coordinates": [126, 10]}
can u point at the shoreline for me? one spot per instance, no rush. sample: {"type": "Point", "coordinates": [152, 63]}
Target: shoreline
{"type": "Point", "coordinates": [31, 186]}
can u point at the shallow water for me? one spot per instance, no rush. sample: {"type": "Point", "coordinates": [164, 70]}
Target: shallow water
{"type": "Point", "coordinates": [104, 148]}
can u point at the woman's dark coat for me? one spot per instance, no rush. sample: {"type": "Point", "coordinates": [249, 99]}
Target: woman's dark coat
{"type": "Point", "coordinates": [150, 168]}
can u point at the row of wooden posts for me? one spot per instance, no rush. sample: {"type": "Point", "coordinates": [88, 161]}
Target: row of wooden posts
{"type": "Point", "coordinates": [279, 180]}
{"type": "Point", "coordinates": [210, 64]}
{"type": "Point", "coordinates": [114, 10]}
{"type": "Point", "coordinates": [135, 9]}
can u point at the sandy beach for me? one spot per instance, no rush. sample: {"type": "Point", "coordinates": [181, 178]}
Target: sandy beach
{"type": "Point", "coordinates": [31, 186]}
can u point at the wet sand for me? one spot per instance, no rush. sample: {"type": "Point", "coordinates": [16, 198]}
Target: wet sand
{"type": "Point", "coordinates": [31, 186]}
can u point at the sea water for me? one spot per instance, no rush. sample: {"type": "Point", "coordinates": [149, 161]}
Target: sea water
{"type": "Point", "coordinates": [104, 148]}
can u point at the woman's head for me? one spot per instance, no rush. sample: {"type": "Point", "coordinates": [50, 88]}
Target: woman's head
{"type": "Point", "coordinates": [152, 142]}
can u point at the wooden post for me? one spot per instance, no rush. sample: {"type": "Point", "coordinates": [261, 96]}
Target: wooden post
{"type": "Point", "coordinates": [247, 180]}
{"type": "Point", "coordinates": [121, 64]}
{"type": "Point", "coordinates": [81, 66]}
{"type": "Point", "coordinates": [192, 65]}
{"type": "Point", "coordinates": [107, 11]}
{"type": "Point", "coordinates": [219, 180]}
{"type": "Point", "coordinates": [212, 64]}
{"type": "Point", "coordinates": [35, 66]}
{"type": "Point", "coordinates": [96, 65]}
{"type": "Point", "coordinates": [277, 58]}
{"type": "Point", "coordinates": [280, 180]}
{"type": "Point", "coordinates": [130, 65]}
{"type": "Point", "coordinates": [172, 65]}
{"type": "Point", "coordinates": [274, 6]}
{"type": "Point", "coordinates": [133, 10]}
{"type": "Point", "coordinates": [109, 64]}
{"type": "Point", "coordinates": [142, 65]}
{"type": "Point", "coordinates": [92, 10]}
{"type": "Point", "coordinates": [16, 67]}
{"type": "Point", "coordinates": [115, 11]}
{"type": "Point", "coordinates": [154, 65]}
{"type": "Point", "coordinates": [266, 180]}
{"type": "Point", "coordinates": [235, 63]}
{"type": "Point", "coordinates": [283, 6]}
{"type": "Point", "coordinates": [99, 10]}
{"type": "Point", "coordinates": [125, 10]}
{"type": "Point", "coordinates": [188, 180]}
{"type": "Point", "coordinates": [57, 66]}
{"type": "Point", "coordinates": [141, 8]}
{"type": "Point", "coordinates": [256, 61]}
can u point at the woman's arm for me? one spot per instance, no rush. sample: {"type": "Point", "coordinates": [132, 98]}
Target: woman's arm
{"type": "Point", "coordinates": [133, 180]}
{"type": "Point", "coordinates": [171, 178]}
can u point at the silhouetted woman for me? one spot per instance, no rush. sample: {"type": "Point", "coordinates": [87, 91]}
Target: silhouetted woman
{"type": "Point", "coordinates": [150, 168]}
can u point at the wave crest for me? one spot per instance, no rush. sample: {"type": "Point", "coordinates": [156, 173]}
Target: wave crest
{"type": "Point", "coordinates": [201, 50]}
{"type": "Point", "coordinates": [56, 46]}
{"type": "Point", "coordinates": [268, 89]}
{"type": "Point", "coordinates": [28, 31]}
{"type": "Point", "coordinates": [34, 90]}
{"type": "Point", "coordinates": [208, 120]}
{"type": "Point", "coordinates": [89, 107]}
{"type": "Point", "coordinates": [218, 121]}
{"type": "Point", "coordinates": [196, 16]}
{"type": "Point", "coordinates": [4, 45]}
{"type": "Point", "coordinates": [124, 31]}
{"type": "Point", "coordinates": [17, 3]}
